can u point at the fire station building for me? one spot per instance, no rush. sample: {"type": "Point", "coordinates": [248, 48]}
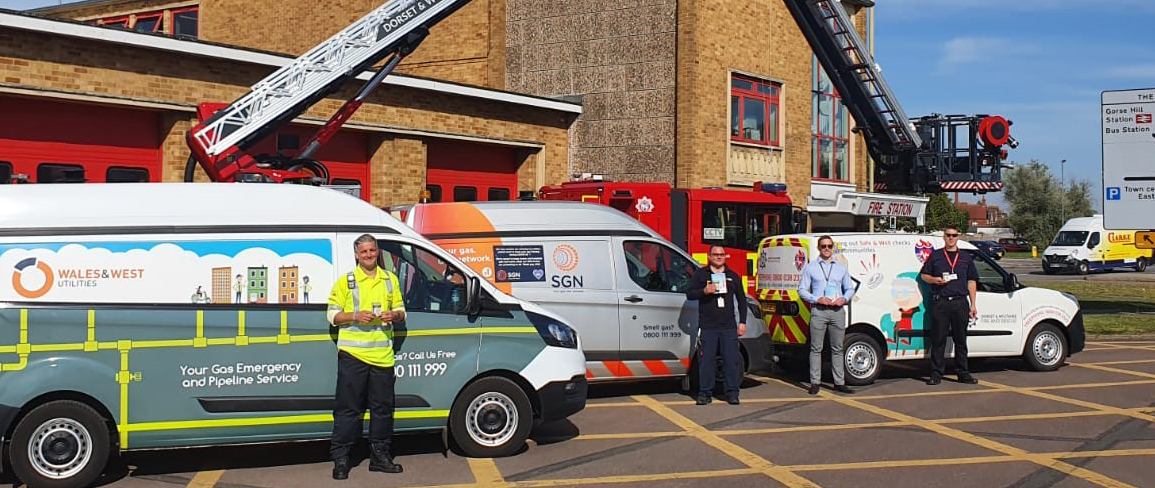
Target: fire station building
{"type": "Point", "coordinates": [503, 96]}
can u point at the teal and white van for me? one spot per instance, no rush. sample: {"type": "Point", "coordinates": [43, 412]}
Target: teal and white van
{"type": "Point", "coordinates": [146, 316]}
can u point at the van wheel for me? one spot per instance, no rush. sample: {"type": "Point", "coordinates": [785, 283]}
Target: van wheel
{"type": "Point", "coordinates": [863, 359]}
{"type": "Point", "coordinates": [491, 418]}
{"type": "Point", "coordinates": [1048, 270]}
{"type": "Point", "coordinates": [61, 444]}
{"type": "Point", "coordinates": [1141, 266]}
{"type": "Point", "coordinates": [1046, 348]}
{"type": "Point", "coordinates": [1083, 268]}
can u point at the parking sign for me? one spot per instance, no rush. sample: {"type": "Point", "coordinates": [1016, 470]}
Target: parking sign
{"type": "Point", "coordinates": [1128, 159]}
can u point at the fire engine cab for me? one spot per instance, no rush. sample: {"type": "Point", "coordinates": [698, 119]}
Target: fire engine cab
{"type": "Point", "coordinates": [695, 219]}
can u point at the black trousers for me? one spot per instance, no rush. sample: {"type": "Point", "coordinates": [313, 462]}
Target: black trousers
{"type": "Point", "coordinates": [359, 383]}
{"type": "Point", "coordinates": [717, 342]}
{"type": "Point", "coordinates": [950, 318]}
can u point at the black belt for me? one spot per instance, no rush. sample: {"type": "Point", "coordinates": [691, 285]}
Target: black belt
{"type": "Point", "coordinates": [828, 307]}
{"type": "Point", "coordinates": [960, 297]}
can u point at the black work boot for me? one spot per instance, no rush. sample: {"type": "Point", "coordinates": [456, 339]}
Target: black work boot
{"type": "Point", "coordinates": [341, 468]}
{"type": "Point", "coordinates": [380, 460]}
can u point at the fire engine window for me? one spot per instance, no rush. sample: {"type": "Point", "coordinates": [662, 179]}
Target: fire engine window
{"type": "Point", "coordinates": [185, 23]}
{"type": "Point", "coordinates": [59, 173]}
{"type": "Point", "coordinates": [5, 172]}
{"type": "Point", "coordinates": [722, 224]}
{"type": "Point", "coordinates": [499, 194]}
{"type": "Point", "coordinates": [465, 193]}
{"type": "Point", "coordinates": [119, 174]}
{"type": "Point", "coordinates": [655, 267]}
{"type": "Point", "coordinates": [345, 182]}
{"type": "Point", "coordinates": [434, 193]}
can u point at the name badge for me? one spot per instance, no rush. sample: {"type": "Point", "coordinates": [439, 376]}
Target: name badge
{"type": "Point", "coordinates": [831, 291]}
{"type": "Point", "coordinates": [948, 276]}
{"type": "Point", "coordinates": [722, 302]}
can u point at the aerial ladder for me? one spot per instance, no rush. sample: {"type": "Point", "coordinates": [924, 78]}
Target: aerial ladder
{"type": "Point", "coordinates": [220, 142]}
{"type": "Point", "coordinates": [930, 154]}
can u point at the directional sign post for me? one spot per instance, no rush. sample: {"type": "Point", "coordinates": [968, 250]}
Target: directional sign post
{"type": "Point", "coordinates": [1128, 159]}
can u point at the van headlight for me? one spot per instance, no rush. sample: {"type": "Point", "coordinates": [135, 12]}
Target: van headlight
{"type": "Point", "coordinates": [755, 307]}
{"type": "Point", "coordinates": [554, 333]}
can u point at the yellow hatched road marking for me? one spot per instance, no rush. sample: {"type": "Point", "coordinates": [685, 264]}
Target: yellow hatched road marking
{"type": "Point", "coordinates": [779, 474]}
{"type": "Point", "coordinates": [1072, 401]}
{"type": "Point", "coordinates": [1114, 370]}
{"type": "Point", "coordinates": [636, 478]}
{"type": "Point", "coordinates": [486, 474]}
{"type": "Point", "coordinates": [1112, 363]}
{"type": "Point", "coordinates": [206, 479]}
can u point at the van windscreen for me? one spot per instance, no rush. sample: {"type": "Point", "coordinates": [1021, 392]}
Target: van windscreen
{"type": "Point", "coordinates": [1070, 238]}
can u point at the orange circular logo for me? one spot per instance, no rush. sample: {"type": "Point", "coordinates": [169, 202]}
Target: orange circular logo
{"type": "Point", "coordinates": [18, 274]}
{"type": "Point", "coordinates": [565, 257]}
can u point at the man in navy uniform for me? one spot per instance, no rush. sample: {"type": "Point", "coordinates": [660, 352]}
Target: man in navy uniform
{"type": "Point", "coordinates": [954, 283]}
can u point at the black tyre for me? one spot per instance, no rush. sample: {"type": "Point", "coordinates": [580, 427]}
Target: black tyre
{"type": "Point", "coordinates": [61, 444]}
{"type": "Point", "coordinates": [1141, 266]}
{"type": "Point", "coordinates": [1046, 348]}
{"type": "Point", "coordinates": [491, 418]}
{"type": "Point", "coordinates": [1083, 268]}
{"type": "Point", "coordinates": [862, 359]}
{"type": "Point", "coordinates": [1048, 269]}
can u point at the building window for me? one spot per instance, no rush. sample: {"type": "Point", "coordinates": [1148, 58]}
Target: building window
{"type": "Point", "coordinates": [148, 23]}
{"type": "Point", "coordinates": [465, 194]}
{"type": "Point", "coordinates": [177, 22]}
{"type": "Point", "coordinates": [5, 172]}
{"type": "Point", "coordinates": [185, 22]}
{"type": "Point", "coordinates": [120, 174]}
{"type": "Point", "coordinates": [754, 111]}
{"type": "Point", "coordinates": [499, 194]}
{"type": "Point", "coordinates": [59, 173]}
{"type": "Point", "coordinates": [434, 193]}
{"type": "Point", "coordinates": [830, 150]}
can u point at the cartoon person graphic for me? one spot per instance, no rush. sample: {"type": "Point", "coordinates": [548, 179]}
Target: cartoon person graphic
{"type": "Point", "coordinates": [200, 296]}
{"type": "Point", "coordinates": [305, 288]}
{"type": "Point", "coordinates": [239, 287]}
{"type": "Point", "coordinates": [907, 296]}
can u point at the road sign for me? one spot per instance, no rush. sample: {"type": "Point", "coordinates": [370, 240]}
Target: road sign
{"type": "Point", "coordinates": [1145, 239]}
{"type": "Point", "coordinates": [1128, 159]}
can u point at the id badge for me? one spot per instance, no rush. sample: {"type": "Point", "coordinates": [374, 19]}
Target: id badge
{"type": "Point", "coordinates": [721, 302]}
{"type": "Point", "coordinates": [948, 276]}
{"type": "Point", "coordinates": [831, 291]}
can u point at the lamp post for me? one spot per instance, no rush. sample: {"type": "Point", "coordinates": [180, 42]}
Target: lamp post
{"type": "Point", "coordinates": [1063, 190]}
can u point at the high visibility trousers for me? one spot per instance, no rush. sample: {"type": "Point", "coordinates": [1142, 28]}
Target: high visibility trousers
{"type": "Point", "coordinates": [358, 384]}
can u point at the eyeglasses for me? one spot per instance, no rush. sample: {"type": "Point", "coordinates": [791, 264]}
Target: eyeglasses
{"type": "Point", "coordinates": [717, 254]}
{"type": "Point", "coordinates": [950, 235]}
{"type": "Point", "coordinates": [826, 246]}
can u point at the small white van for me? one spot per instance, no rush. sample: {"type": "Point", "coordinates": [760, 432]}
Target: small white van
{"type": "Point", "coordinates": [1082, 245]}
{"type": "Point", "coordinates": [146, 316]}
{"type": "Point", "coordinates": [889, 316]}
{"type": "Point", "coordinates": [618, 282]}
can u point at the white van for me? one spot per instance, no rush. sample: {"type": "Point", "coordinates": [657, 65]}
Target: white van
{"type": "Point", "coordinates": [155, 315]}
{"type": "Point", "coordinates": [616, 280]}
{"type": "Point", "coordinates": [1082, 245]}
{"type": "Point", "coordinates": [889, 315]}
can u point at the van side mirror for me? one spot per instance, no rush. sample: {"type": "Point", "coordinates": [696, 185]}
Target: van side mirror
{"type": "Point", "coordinates": [1011, 282]}
{"type": "Point", "coordinates": [799, 220]}
{"type": "Point", "coordinates": [472, 296]}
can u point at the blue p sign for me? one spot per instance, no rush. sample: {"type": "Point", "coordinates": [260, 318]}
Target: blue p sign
{"type": "Point", "coordinates": [1113, 193]}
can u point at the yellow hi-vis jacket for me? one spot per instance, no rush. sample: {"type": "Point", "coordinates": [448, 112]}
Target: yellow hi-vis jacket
{"type": "Point", "coordinates": [356, 291]}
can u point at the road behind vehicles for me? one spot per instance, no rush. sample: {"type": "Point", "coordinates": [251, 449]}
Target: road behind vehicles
{"type": "Point", "coordinates": [889, 315]}
{"type": "Point", "coordinates": [1082, 245]}
{"type": "Point", "coordinates": [618, 282]}
{"type": "Point", "coordinates": [147, 316]}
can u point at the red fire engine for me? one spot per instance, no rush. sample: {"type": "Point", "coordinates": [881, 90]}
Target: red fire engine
{"type": "Point", "coordinates": [695, 219]}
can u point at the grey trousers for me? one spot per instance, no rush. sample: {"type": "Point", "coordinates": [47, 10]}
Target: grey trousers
{"type": "Point", "coordinates": [823, 320]}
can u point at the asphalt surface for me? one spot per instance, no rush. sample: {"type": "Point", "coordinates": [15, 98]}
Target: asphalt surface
{"type": "Point", "coordinates": [1087, 424]}
{"type": "Point", "coordinates": [1031, 269]}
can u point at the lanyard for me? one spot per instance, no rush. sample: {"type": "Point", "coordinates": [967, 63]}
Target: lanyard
{"type": "Point", "coordinates": [826, 272]}
{"type": "Point", "coordinates": [952, 263]}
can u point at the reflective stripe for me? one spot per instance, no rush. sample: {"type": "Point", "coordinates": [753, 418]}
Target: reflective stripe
{"type": "Point", "coordinates": [364, 344]}
{"type": "Point", "coordinates": [366, 327]}
{"type": "Point", "coordinates": [356, 291]}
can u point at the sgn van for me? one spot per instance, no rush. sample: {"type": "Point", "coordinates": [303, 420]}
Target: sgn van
{"type": "Point", "coordinates": [617, 281]}
{"type": "Point", "coordinates": [889, 316]}
{"type": "Point", "coordinates": [148, 316]}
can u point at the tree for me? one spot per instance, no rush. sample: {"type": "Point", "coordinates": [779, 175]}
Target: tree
{"type": "Point", "coordinates": [941, 213]}
{"type": "Point", "coordinates": [1039, 202]}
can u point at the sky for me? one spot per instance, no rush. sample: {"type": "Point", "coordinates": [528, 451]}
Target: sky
{"type": "Point", "coordinates": [1040, 63]}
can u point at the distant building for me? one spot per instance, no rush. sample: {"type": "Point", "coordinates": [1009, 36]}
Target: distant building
{"type": "Point", "coordinates": [980, 214]}
{"type": "Point", "coordinates": [222, 285]}
{"type": "Point", "coordinates": [287, 288]}
{"type": "Point", "coordinates": [259, 285]}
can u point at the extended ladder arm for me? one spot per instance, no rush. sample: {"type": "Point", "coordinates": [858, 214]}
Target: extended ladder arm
{"type": "Point", "coordinates": [218, 143]}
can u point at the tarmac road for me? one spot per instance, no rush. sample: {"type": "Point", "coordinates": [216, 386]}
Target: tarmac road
{"type": "Point", "coordinates": [1031, 269]}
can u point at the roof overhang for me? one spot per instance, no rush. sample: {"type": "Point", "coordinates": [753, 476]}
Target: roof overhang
{"type": "Point", "coordinates": [16, 20]}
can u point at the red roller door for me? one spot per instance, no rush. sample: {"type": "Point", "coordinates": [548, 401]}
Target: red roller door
{"type": "Point", "coordinates": [463, 171]}
{"type": "Point", "coordinates": [51, 139]}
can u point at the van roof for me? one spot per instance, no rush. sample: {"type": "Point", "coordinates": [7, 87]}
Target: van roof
{"type": "Point", "coordinates": [102, 205]}
{"type": "Point", "coordinates": [1083, 223]}
{"type": "Point", "coordinates": [544, 215]}
{"type": "Point", "coordinates": [963, 243]}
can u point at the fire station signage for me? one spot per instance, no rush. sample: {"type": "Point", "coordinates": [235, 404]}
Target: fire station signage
{"type": "Point", "coordinates": [1128, 159]}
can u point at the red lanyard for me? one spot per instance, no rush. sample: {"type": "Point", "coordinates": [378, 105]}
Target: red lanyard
{"type": "Point", "coordinates": [951, 263]}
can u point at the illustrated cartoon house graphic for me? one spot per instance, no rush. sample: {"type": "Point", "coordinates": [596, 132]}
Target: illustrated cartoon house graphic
{"type": "Point", "coordinates": [258, 285]}
{"type": "Point", "coordinates": [287, 289]}
{"type": "Point", "coordinates": [222, 285]}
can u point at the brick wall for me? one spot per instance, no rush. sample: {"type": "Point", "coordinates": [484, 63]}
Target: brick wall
{"type": "Point", "coordinates": [619, 57]}
{"type": "Point", "coordinates": [110, 9]}
{"type": "Point", "coordinates": [68, 67]}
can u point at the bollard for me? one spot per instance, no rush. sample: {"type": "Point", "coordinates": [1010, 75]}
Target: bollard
{"type": "Point", "coordinates": [1034, 251]}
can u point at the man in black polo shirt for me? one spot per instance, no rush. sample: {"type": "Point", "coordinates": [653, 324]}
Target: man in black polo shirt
{"type": "Point", "coordinates": [719, 292]}
{"type": "Point", "coordinates": [954, 282]}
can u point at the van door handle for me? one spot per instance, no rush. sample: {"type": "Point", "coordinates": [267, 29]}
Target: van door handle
{"type": "Point", "coordinates": [633, 299]}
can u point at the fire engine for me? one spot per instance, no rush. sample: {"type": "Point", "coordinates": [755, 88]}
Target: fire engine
{"type": "Point", "coordinates": [695, 219]}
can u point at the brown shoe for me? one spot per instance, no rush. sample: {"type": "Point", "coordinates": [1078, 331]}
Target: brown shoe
{"type": "Point", "coordinates": [843, 389]}
{"type": "Point", "coordinates": [814, 387]}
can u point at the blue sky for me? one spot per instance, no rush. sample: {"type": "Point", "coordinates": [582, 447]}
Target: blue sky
{"type": "Point", "coordinates": [1040, 63]}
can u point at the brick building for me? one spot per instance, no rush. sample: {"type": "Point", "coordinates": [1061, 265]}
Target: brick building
{"type": "Point", "coordinates": [981, 214]}
{"type": "Point", "coordinates": [84, 98]}
{"type": "Point", "coordinates": [696, 93]}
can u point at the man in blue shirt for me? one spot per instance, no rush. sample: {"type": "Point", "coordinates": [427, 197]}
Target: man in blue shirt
{"type": "Point", "coordinates": [827, 286]}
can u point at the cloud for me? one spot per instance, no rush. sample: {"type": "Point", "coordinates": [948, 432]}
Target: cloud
{"type": "Point", "coordinates": [962, 51]}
